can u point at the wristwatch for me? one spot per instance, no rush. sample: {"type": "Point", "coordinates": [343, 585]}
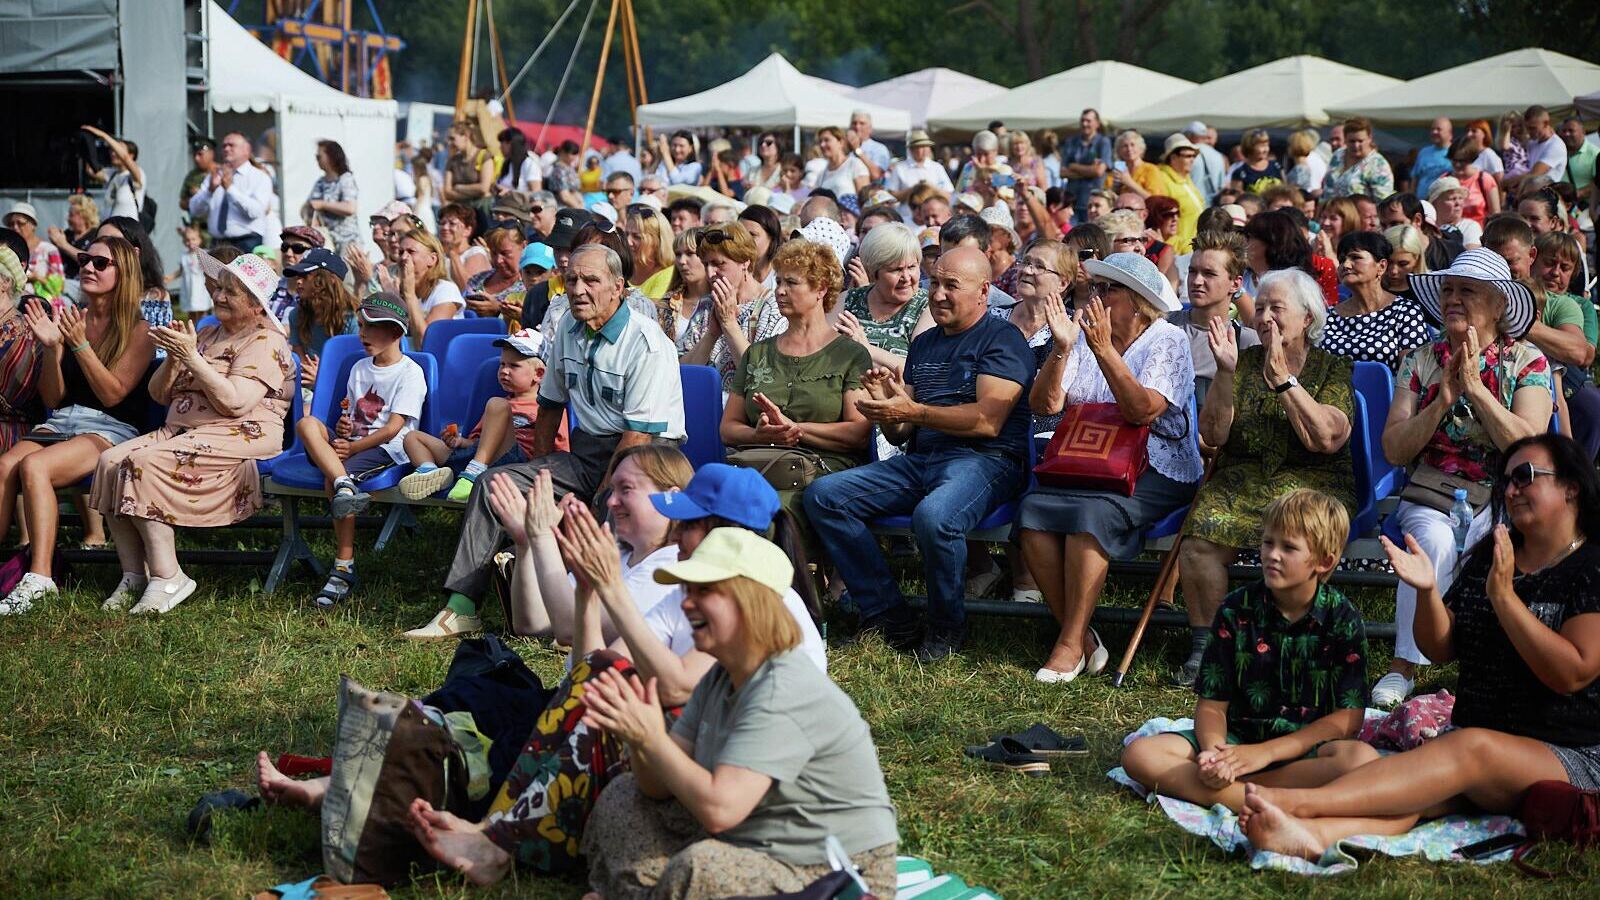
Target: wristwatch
{"type": "Point", "coordinates": [1287, 386]}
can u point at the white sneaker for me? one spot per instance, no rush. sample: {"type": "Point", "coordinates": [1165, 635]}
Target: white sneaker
{"type": "Point", "coordinates": [1392, 690]}
{"type": "Point", "coordinates": [162, 594]}
{"type": "Point", "coordinates": [127, 592]}
{"type": "Point", "coordinates": [422, 485]}
{"type": "Point", "coordinates": [1027, 595]}
{"type": "Point", "coordinates": [32, 588]}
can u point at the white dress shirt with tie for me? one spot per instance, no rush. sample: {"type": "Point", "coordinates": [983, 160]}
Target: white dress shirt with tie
{"type": "Point", "coordinates": [240, 209]}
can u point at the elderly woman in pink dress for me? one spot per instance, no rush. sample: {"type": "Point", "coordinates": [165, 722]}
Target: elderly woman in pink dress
{"type": "Point", "coordinates": [227, 390]}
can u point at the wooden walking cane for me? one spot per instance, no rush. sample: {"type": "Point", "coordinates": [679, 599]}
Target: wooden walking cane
{"type": "Point", "coordinates": [1165, 576]}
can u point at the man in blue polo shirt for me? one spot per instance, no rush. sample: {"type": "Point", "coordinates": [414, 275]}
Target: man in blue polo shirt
{"type": "Point", "coordinates": [963, 410]}
{"type": "Point", "coordinates": [620, 373]}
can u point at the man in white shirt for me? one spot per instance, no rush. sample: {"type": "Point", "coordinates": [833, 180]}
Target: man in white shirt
{"type": "Point", "coordinates": [1547, 154]}
{"type": "Point", "coordinates": [234, 201]}
{"type": "Point", "coordinates": [919, 169]}
{"type": "Point", "coordinates": [1210, 172]}
{"type": "Point", "coordinates": [621, 160]}
{"type": "Point", "coordinates": [869, 151]}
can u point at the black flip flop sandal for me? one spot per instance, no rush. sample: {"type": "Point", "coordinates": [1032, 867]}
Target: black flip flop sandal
{"type": "Point", "coordinates": [199, 824]}
{"type": "Point", "coordinates": [1010, 755]}
{"type": "Point", "coordinates": [1042, 740]}
{"type": "Point", "coordinates": [333, 594]}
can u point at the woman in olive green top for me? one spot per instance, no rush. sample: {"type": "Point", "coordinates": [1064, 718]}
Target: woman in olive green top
{"type": "Point", "coordinates": [799, 388]}
{"type": "Point", "coordinates": [886, 314]}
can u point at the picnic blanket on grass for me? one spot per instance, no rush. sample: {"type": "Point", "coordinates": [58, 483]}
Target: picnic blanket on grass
{"type": "Point", "coordinates": [1435, 840]}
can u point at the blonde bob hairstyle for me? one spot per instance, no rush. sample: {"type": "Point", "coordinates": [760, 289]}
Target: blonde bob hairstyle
{"type": "Point", "coordinates": [888, 245]}
{"type": "Point", "coordinates": [816, 264]}
{"type": "Point", "coordinates": [427, 281]}
{"type": "Point", "coordinates": [655, 235]}
{"type": "Point", "coordinates": [666, 467]}
{"type": "Point", "coordinates": [768, 624]}
{"type": "Point", "coordinates": [735, 243]}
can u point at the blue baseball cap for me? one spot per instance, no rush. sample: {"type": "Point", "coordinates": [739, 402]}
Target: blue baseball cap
{"type": "Point", "coordinates": [538, 254]}
{"type": "Point", "coordinates": [728, 492]}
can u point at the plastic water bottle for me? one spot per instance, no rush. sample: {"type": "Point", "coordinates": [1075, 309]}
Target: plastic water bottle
{"type": "Point", "coordinates": [1461, 520]}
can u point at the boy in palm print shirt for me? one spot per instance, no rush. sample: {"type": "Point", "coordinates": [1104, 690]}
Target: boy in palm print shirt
{"type": "Point", "coordinates": [1282, 684]}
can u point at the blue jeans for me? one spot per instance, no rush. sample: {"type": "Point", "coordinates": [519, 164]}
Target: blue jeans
{"type": "Point", "coordinates": [947, 494]}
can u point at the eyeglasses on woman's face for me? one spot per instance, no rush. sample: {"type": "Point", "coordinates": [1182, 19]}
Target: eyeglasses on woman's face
{"type": "Point", "coordinates": [1037, 265]}
{"type": "Point", "coordinates": [1127, 240]}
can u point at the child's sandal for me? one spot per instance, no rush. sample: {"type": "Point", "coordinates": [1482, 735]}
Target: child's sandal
{"type": "Point", "coordinates": [340, 585]}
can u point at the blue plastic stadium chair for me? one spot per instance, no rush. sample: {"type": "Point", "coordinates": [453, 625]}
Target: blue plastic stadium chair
{"type": "Point", "coordinates": [458, 370]}
{"type": "Point", "coordinates": [440, 334]}
{"type": "Point", "coordinates": [702, 414]}
{"type": "Point", "coordinates": [296, 470]}
{"type": "Point", "coordinates": [291, 437]}
{"type": "Point", "coordinates": [484, 386]}
{"type": "Point", "coordinates": [1375, 384]}
{"type": "Point", "coordinates": [1361, 459]}
{"type": "Point", "coordinates": [207, 322]}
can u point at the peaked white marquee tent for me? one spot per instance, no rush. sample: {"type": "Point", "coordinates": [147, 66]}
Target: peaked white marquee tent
{"type": "Point", "coordinates": [928, 93]}
{"type": "Point", "coordinates": [1288, 92]}
{"type": "Point", "coordinates": [1481, 90]}
{"type": "Point", "coordinates": [774, 94]}
{"type": "Point", "coordinates": [1115, 89]}
{"type": "Point", "coordinates": [253, 88]}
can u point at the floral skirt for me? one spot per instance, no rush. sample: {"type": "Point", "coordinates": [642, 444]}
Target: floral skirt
{"type": "Point", "coordinates": [540, 812]}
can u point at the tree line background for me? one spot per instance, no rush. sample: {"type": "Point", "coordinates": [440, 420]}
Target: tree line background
{"type": "Point", "coordinates": [690, 45]}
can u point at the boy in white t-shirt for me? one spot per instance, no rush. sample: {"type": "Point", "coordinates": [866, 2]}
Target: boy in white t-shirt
{"type": "Point", "coordinates": [382, 403]}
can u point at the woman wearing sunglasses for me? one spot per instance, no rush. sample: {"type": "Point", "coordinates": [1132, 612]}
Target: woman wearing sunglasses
{"type": "Point", "coordinates": [1522, 620]}
{"type": "Point", "coordinates": [94, 363]}
{"type": "Point", "coordinates": [768, 172]}
{"type": "Point", "coordinates": [1458, 404]}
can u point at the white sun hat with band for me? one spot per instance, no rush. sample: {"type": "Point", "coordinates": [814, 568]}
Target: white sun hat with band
{"type": "Point", "coordinates": [255, 273]}
{"type": "Point", "coordinates": [1480, 264]}
{"type": "Point", "coordinates": [1137, 274]}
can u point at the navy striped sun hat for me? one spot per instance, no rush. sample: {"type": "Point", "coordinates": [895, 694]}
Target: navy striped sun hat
{"type": "Point", "coordinates": [1480, 264]}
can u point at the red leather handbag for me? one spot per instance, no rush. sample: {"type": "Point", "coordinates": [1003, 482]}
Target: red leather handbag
{"type": "Point", "coordinates": [1095, 449]}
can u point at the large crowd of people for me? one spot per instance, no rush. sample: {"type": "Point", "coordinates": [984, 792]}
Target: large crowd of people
{"type": "Point", "coordinates": [892, 337]}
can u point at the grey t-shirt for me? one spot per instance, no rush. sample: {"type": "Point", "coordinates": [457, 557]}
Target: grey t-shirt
{"type": "Point", "coordinates": [792, 724]}
{"type": "Point", "coordinates": [1205, 365]}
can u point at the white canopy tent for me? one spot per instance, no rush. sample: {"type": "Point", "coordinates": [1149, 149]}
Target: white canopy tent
{"type": "Point", "coordinates": [1481, 90]}
{"type": "Point", "coordinates": [254, 88]}
{"type": "Point", "coordinates": [1588, 105]}
{"type": "Point", "coordinates": [929, 93]}
{"type": "Point", "coordinates": [1288, 92]}
{"type": "Point", "coordinates": [1114, 89]}
{"type": "Point", "coordinates": [774, 94]}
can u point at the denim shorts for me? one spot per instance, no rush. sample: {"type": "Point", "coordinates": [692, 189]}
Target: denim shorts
{"type": "Point", "coordinates": [73, 421]}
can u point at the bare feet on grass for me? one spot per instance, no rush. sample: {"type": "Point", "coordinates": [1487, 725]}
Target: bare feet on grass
{"type": "Point", "coordinates": [278, 788]}
{"type": "Point", "coordinates": [458, 844]}
{"type": "Point", "coordinates": [1270, 828]}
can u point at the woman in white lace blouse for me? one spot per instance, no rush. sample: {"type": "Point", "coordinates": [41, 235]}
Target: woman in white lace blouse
{"type": "Point", "coordinates": [1118, 349]}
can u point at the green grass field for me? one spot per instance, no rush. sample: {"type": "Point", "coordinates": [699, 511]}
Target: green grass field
{"type": "Point", "coordinates": [117, 726]}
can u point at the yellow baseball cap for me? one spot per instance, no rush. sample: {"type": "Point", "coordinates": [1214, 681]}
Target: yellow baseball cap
{"type": "Point", "coordinates": [727, 552]}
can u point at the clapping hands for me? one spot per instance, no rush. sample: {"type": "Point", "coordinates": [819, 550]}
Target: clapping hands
{"type": "Point", "coordinates": [774, 427]}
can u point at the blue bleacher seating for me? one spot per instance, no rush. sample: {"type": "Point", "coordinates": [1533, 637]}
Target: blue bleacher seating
{"type": "Point", "coordinates": [1375, 383]}
{"type": "Point", "coordinates": [207, 322]}
{"type": "Point", "coordinates": [291, 437]}
{"type": "Point", "coordinates": [440, 334]}
{"type": "Point", "coordinates": [702, 414]}
{"type": "Point", "coordinates": [458, 371]}
{"type": "Point", "coordinates": [296, 470]}
{"type": "Point", "coordinates": [482, 387]}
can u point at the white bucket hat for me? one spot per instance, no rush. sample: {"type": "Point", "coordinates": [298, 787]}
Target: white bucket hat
{"type": "Point", "coordinates": [253, 272]}
{"type": "Point", "coordinates": [1137, 274]}
{"type": "Point", "coordinates": [1480, 264]}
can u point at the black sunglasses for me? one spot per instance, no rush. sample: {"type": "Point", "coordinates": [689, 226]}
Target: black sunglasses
{"type": "Point", "coordinates": [297, 248]}
{"type": "Point", "coordinates": [1088, 253]}
{"type": "Point", "coordinates": [513, 224]}
{"type": "Point", "coordinates": [98, 263]}
{"type": "Point", "coordinates": [642, 209]}
{"type": "Point", "coordinates": [716, 237]}
{"type": "Point", "coordinates": [1522, 476]}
